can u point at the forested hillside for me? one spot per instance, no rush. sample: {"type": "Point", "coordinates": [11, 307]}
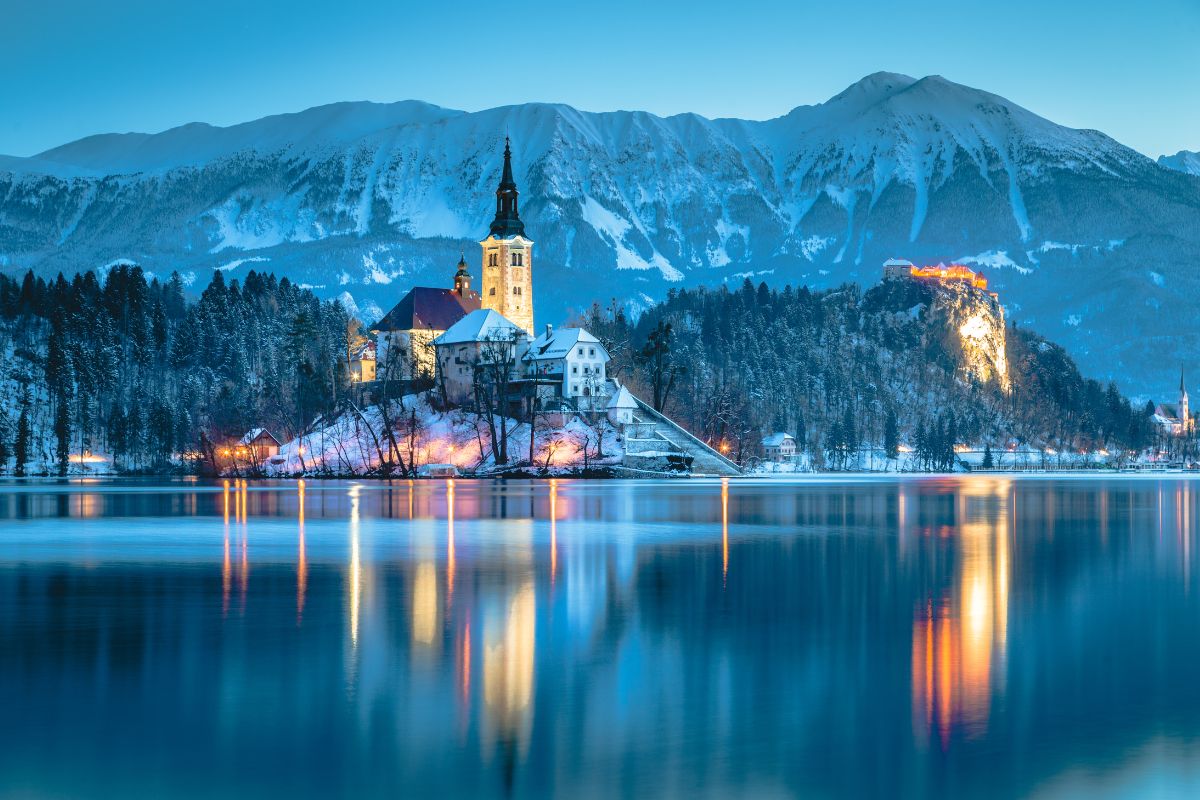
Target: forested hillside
{"type": "Point", "coordinates": [129, 368]}
{"type": "Point", "coordinates": [902, 363]}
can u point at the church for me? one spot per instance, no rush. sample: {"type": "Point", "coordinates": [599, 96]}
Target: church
{"type": "Point", "coordinates": [405, 335]}
{"type": "Point", "coordinates": [1176, 421]}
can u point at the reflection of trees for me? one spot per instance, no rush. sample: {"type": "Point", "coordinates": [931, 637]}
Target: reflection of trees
{"type": "Point", "coordinates": [994, 623]}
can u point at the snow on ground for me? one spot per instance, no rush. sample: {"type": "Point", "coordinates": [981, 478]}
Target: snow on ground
{"type": "Point", "coordinates": [354, 443]}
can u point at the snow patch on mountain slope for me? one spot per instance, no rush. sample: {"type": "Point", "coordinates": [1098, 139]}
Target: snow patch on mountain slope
{"type": "Point", "coordinates": [995, 259]}
{"type": "Point", "coordinates": [613, 228]}
{"type": "Point", "coordinates": [237, 262]}
{"type": "Point", "coordinates": [249, 223]}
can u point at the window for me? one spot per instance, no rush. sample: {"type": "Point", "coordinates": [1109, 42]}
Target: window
{"type": "Point", "coordinates": [492, 292]}
{"type": "Point", "coordinates": [574, 370]}
{"type": "Point", "coordinates": [587, 370]}
{"type": "Point", "coordinates": [581, 352]}
{"type": "Point", "coordinates": [518, 259]}
{"type": "Point", "coordinates": [592, 352]}
{"type": "Point", "coordinates": [493, 259]}
{"type": "Point", "coordinates": [574, 388]}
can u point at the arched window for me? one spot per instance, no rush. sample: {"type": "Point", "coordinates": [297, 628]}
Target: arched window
{"type": "Point", "coordinates": [517, 259]}
{"type": "Point", "coordinates": [493, 259]}
{"type": "Point", "coordinates": [492, 292]}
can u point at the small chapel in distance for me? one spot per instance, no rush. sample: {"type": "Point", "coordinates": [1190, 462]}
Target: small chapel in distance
{"type": "Point", "coordinates": [404, 337]}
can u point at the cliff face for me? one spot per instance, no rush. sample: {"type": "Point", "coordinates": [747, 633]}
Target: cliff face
{"type": "Point", "coordinates": [974, 323]}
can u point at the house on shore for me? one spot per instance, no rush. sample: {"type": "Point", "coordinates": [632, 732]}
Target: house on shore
{"type": "Point", "coordinates": [779, 447]}
{"type": "Point", "coordinates": [258, 444]}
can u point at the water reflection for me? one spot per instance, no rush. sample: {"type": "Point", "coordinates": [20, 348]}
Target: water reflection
{"type": "Point", "coordinates": [959, 636]}
{"type": "Point", "coordinates": [962, 637]}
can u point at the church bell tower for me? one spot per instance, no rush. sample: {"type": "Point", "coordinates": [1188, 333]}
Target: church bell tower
{"type": "Point", "coordinates": [508, 256]}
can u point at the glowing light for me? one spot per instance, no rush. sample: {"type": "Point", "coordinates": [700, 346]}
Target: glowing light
{"type": "Point", "coordinates": [553, 528]}
{"type": "Point", "coordinates": [302, 562]}
{"type": "Point", "coordinates": [724, 530]}
{"type": "Point", "coordinates": [449, 542]}
{"type": "Point", "coordinates": [87, 458]}
{"type": "Point", "coordinates": [903, 448]}
{"type": "Point", "coordinates": [355, 567]}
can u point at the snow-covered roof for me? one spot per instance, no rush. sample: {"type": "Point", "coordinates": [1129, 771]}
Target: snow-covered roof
{"type": "Point", "coordinates": [557, 343]}
{"type": "Point", "coordinates": [255, 433]}
{"type": "Point", "coordinates": [622, 399]}
{"type": "Point", "coordinates": [897, 262]}
{"type": "Point", "coordinates": [777, 439]}
{"type": "Point", "coordinates": [482, 325]}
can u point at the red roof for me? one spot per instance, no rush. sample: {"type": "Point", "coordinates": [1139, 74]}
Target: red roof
{"type": "Point", "coordinates": [426, 308]}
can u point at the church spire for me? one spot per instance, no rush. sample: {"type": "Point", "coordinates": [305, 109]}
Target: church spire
{"type": "Point", "coordinates": [1182, 387]}
{"type": "Point", "coordinates": [507, 223]}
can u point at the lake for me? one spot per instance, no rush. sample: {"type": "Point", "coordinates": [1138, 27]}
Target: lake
{"type": "Point", "coordinates": [907, 637]}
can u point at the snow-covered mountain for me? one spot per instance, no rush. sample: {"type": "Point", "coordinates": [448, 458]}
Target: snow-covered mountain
{"type": "Point", "coordinates": [1088, 241]}
{"type": "Point", "coordinates": [1184, 161]}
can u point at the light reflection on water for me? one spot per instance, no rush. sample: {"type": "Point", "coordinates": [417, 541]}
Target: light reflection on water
{"type": "Point", "coordinates": [946, 636]}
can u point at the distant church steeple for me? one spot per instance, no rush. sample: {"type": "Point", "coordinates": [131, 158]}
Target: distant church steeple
{"type": "Point", "coordinates": [462, 278]}
{"type": "Point", "coordinates": [1185, 413]}
{"type": "Point", "coordinates": [507, 222]}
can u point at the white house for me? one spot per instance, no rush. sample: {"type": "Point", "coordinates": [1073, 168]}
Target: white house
{"type": "Point", "coordinates": [621, 407]}
{"type": "Point", "coordinates": [573, 359]}
{"type": "Point", "coordinates": [480, 338]}
{"type": "Point", "coordinates": [779, 447]}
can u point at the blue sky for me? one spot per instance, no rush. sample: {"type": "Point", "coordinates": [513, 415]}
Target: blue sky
{"type": "Point", "coordinates": [71, 68]}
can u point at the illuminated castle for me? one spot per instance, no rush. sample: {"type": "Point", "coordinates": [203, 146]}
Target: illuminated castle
{"type": "Point", "coordinates": [900, 268]}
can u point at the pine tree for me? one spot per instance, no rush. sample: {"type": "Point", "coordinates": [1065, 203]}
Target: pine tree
{"type": "Point", "coordinates": [24, 434]}
{"type": "Point", "coordinates": [988, 461]}
{"type": "Point", "coordinates": [891, 437]}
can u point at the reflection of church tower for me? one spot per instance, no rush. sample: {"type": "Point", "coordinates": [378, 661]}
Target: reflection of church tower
{"type": "Point", "coordinates": [508, 256]}
{"type": "Point", "coordinates": [1184, 413]}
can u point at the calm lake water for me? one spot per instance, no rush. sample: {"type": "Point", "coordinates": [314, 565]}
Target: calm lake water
{"type": "Point", "coordinates": [950, 637]}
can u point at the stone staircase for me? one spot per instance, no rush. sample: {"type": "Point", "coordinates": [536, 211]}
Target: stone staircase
{"type": "Point", "coordinates": [653, 439]}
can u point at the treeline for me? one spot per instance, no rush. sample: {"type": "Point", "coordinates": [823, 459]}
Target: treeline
{"type": "Point", "coordinates": [128, 367]}
{"type": "Point", "coordinates": [843, 370]}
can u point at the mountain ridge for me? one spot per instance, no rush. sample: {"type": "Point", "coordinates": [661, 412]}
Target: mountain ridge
{"type": "Point", "coordinates": [367, 199]}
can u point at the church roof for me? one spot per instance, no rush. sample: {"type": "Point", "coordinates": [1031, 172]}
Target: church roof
{"type": "Point", "coordinates": [427, 308]}
{"type": "Point", "coordinates": [481, 325]}
{"type": "Point", "coordinates": [507, 223]}
{"type": "Point", "coordinates": [622, 399]}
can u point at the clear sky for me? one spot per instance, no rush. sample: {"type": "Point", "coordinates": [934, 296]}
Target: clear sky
{"type": "Point", "coordinates": [70, 68]}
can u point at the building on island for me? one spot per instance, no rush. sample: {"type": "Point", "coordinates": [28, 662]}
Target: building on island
{"type": "Point", "coordinates": [567, 363]}
{"type": "Point", "coordinates": [362, 362]}
{"type": "Point", "coordinates": [899, 268]}
{"type": "Point", "coordinates": [1176, 421]}
{"type": "Point", "coordinates": [621, 407]}
{"type": "Point", "coordinates": [481, 339]}
{"type": "Point", "coordinates": [508, 256]}
{"type": "Point", "coordinates": [779, 447]}
{"type": "Point", "coordinates": [404, 337]}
